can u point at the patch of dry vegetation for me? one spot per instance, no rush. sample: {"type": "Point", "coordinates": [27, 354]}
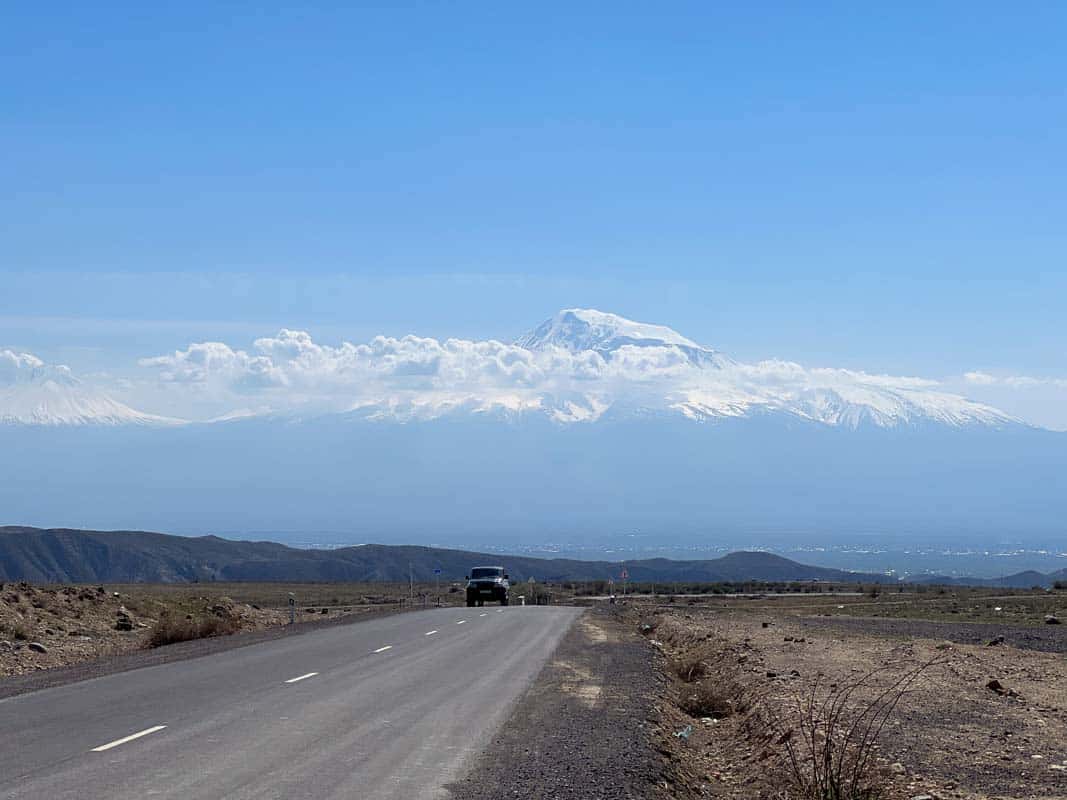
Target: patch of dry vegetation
{"type": "Point", "coordinates": [755, 711]}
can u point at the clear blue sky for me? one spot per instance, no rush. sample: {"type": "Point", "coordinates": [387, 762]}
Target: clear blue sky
{"type": "Point", "coordinates": [834, 183]}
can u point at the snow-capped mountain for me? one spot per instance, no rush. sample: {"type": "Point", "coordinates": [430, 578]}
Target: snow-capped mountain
{"type": "Point", "coordinates": [38, 394]}
{"type": "Point", "coordinates": [715, 386]}
{"type": "Point", "coordinates": [582, 329]}
{"type": "Point", "coordinates": [580, 366]}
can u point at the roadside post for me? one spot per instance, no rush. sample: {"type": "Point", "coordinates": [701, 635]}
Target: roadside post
{"type": "Point", "coordinates": [437, 583]}
{"type": "Point", "coordinates": [533, 594]}
{"type": "Point", "coordinates": [292, 609]}
{"type": "Point", "coordinates": [625, 575]}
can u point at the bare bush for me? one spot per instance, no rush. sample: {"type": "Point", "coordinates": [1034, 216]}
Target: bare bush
{"type": "Point", "coordinates": [171, 629]}
{"type": "Point", "coordinates": [18, 631]}
{"type": "Point", "coordinates": [831, 742]}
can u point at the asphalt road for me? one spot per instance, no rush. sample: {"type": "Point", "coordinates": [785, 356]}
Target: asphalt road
{"type": "Point", "coordinates": [388, 708]}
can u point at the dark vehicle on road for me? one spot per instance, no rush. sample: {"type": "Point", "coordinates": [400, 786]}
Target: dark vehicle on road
{"type": "Point", "coordinates": [487, 583]}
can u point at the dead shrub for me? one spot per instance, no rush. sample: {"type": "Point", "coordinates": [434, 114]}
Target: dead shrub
{"type": "Point", "coordinates": [170, 629]}
{"type": "Point", "coordinates": [830, 741]}
{"type": "Point", "coordinates": [18, 631]}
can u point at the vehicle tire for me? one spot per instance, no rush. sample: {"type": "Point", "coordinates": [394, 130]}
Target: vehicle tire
{"type": "Point", "coordinates": [504, 600]}
{"type": "Point", "coordinates": [470, 603]}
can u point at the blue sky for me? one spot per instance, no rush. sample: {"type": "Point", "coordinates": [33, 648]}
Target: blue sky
{"type": "Point", "coordinates": [875, 189]}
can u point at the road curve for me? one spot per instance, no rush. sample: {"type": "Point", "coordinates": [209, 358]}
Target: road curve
{"type": "Point", "coordinates": [388, 708]}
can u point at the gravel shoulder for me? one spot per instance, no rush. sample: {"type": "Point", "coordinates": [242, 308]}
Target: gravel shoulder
{"type": "Point", "coordinates": [583, 729]}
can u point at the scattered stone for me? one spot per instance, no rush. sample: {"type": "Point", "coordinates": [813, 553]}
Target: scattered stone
{"type": "Point", "coordinates": [765, 624]}
{"type": "Point", "coordinates": [6, 645]}
{"type": "Point", "coordinates": [923, 797]}
{"type": "Point", "coordinates": [1052, 619]}
{"type": "Point", "coordinates": [995, 641]}
{"type": "Point", "coordinates": [37, 647]}
{"type": "Point", "coordinates": [897, 768]}
{"type": "Point", "coordinates": [684, 733]}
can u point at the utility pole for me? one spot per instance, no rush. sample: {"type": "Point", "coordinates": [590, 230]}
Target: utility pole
{"type": "Point", "coordinates": [411, 583]}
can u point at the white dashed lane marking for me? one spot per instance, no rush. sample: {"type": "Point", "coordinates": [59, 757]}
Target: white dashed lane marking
{"type": "Point", "coordinates": [129, 738]}
{"type": "Point", "coordinates": [430, 633]}
{"type": "Point", "coordinates": [460, 622]}
{"type": "Point", "coordinates": [383, 649]}
{"type": "Point", "coordinates": [302, 677]}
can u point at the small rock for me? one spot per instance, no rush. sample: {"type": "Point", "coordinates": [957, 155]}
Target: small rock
{"type": "Point", "coordinates": [1052, 619]}
{"type": "Point", "coordinates": [772, 674]}
{"type": "Point", "coordinates": [37, 647]}
{"type": "Point", "coordinates": [6, 645]}
{"type": "Point", "coordinates": [923, 797]}
{"type": "Point", "coordinates": [897, 768]}
{"type": "Point", "coordinates": [765, 624]}
{"type": "Point", "coordinates": [994, 642]}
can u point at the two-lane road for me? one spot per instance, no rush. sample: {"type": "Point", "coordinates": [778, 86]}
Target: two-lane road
{"type": "Point", "coordinates": [392, 707]}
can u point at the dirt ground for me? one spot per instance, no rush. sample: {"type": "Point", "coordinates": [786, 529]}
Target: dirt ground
{"type": "Point", "coordinates": [954, 733]}
{"type": "Point", "coordinates": [45, 627]}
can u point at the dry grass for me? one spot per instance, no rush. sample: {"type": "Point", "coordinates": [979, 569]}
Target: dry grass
{"type": "Point", "coordinates": [831, 738]}
{"type": "Point", "coordinates": [171, 629]}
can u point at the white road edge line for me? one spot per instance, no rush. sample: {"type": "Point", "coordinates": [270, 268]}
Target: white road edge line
{"type": "Point", "coordinates": [460, 622]}
{"type": "Point", "coordinates": [129, 738]}
{"type": "Point", "coordinates": [302, 677]}
{"type": "Point", "coordinates": [383, 649]}
{"type": "Point", "coordinates": [486, 614]}
{"type": "Point", "coordinates": [430, 633]}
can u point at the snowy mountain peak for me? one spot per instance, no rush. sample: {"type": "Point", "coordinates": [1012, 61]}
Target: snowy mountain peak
{"type": "Point", "coordinates": [35, 393]}
{"type": "Point", "coordinates": [582, 329]}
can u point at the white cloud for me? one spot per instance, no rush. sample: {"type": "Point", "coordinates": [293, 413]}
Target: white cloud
{"type": "Point", "coordinates": [415, 377]}
{"type": "Point", "coordinates": [978, 378]}
{"type": "Point", "coordinates": [24, 367]}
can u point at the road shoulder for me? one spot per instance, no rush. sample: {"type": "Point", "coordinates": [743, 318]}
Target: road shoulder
{"type": "Point", "coordinates": [582, 730]}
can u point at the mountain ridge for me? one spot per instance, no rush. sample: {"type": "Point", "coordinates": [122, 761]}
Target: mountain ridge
{"type": "Point", "coordinates": [67, 555]}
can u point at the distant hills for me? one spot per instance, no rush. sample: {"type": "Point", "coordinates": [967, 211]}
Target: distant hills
{"type": "Point", "coordinates": [62, 555]}
{"type": "Point", "coordinates": [1019, 580]}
